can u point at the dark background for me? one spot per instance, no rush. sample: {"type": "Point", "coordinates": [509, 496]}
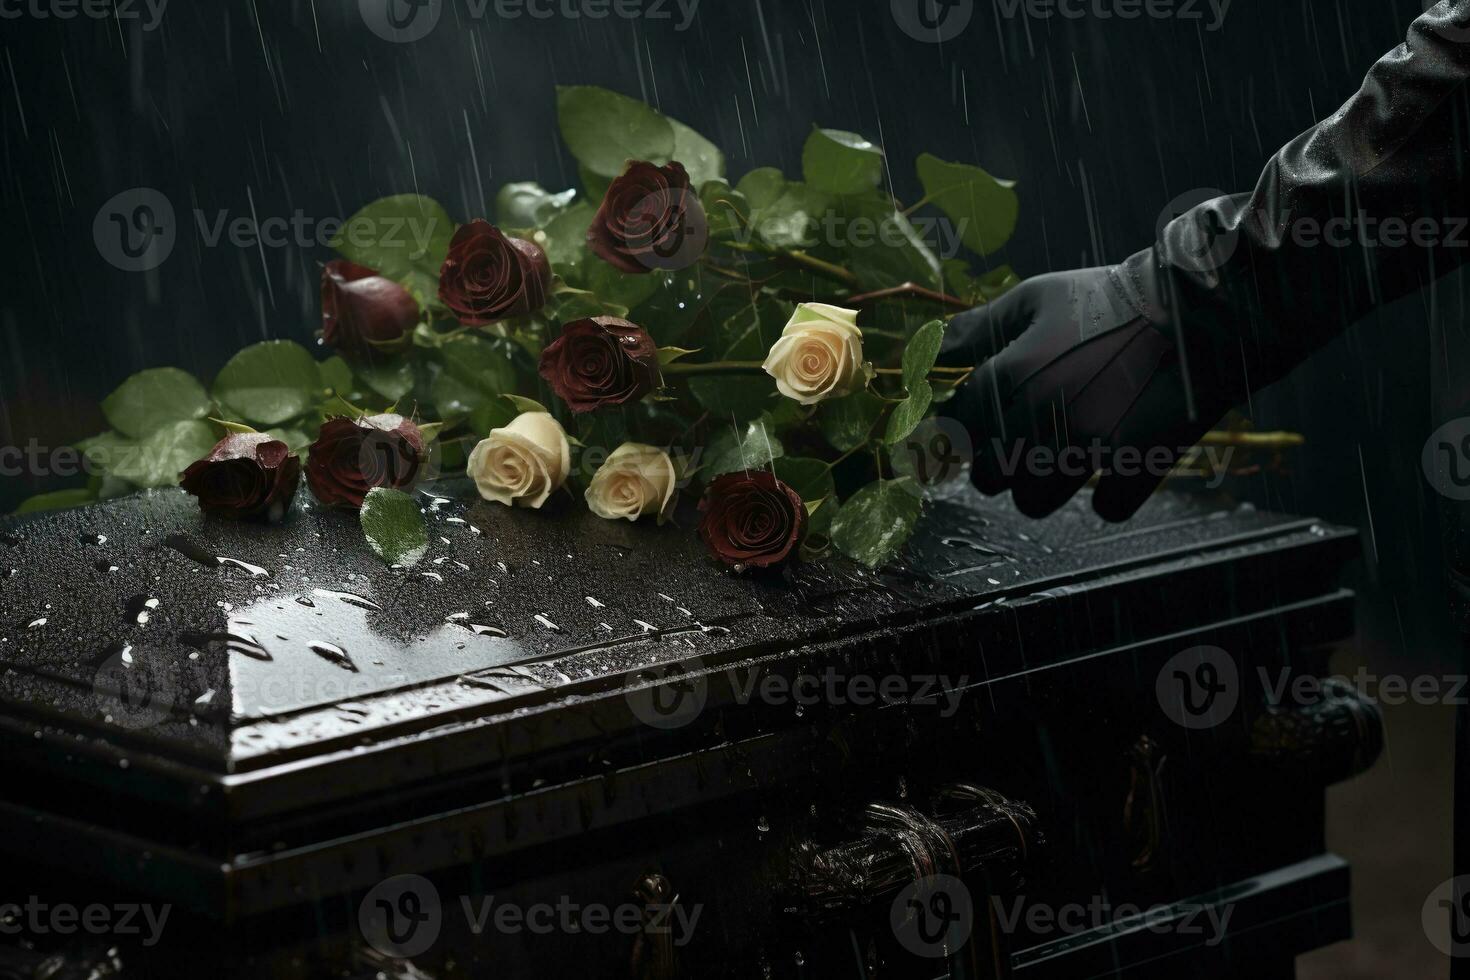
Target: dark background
{"type": "Point", "coordinates": [283, 105]}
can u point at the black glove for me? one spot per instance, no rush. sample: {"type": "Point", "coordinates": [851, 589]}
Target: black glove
{"type": "Point", "coordinates": [1075, 377]}
{"type": "Point", "coordinates": [1116, 369]}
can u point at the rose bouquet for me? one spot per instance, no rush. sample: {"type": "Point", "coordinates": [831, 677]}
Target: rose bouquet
{"type": "Point", "coordinates": [765, 345]}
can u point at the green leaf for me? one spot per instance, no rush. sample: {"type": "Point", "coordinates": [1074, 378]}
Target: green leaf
{"type": "Point", "coordinates": [56, 500]}
{"type": "Point", "coordinates": [732, 450]}
{"type": "Point", "coordinates": [876, 522]}
{"type": "Point", "coordinates": [605, 130]}
{"type": "Point", "coordinates": [337, 374]}
{"type": "Point", "coordinates": [565, 240]}
{"type": "Point", "coordinates": [984, 208]}
{"type": "Point", "coordinates": [404, 237]}
{"type": "Point", "coordinates": [839, 162]}
{"type": "Point", "coordinates": [594, 187]}
{"type": "Point", "coordinates": [390, 377]}
{"type": "Point", "coordinates": [159, 458]}
{"type": "Point", "coordinates": [762, 187]}
{"type": "Point", "coordinates": [104, 451]}
{"type": "Point", "coordinates": [472, 371]}
{"type": "Point", "coordinates": [524, 404]}
{"type": "Point", "coordinates": [921, 353]}
{"type": "Point", "coordinates": [614, 286]}
{"type": "Point", "coordinates": [668, 355]}
{"type": "Point", "coordinates": [269, 382]}
{"type": "Point", "coordinates": [811, 478]}
{"type": "Point", "coordinates": [701, 158]}
{"type": "Point", "coordinates": [154, 397]}
{"type": "Point", "coordinates": [529, 205]}
{"type": "Point", "coordinates": [908, 413]}
{"type": "Point", "coordinates": [882, 246]}
{"type": "Point", "coordinates": [495, 414]}
{"type": "Point", "coordinates": [847, 423]}
{"type": "Point", "coordinates": [747, 334]}
{"type": "Point", "coordinates": [234, 428]}
{"type": "Point", "coordinates": [793, 219]}
{"type": "Point", "coordinates": [724, 396]}
{"type": "Point", "coordinates": [394, 526]}
{"type": "Point", "coordinates": [997, 282]}
{"type": "Point", "coordinates": [722, 203]}
{"type": "Point", "coordinates": [295, 439]}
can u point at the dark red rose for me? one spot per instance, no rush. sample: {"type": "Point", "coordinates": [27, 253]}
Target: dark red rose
{"type": "Point", "coordinates": [361, 309]}
{"type": "Point", "coordinates": [489, 276]}
{"type": "Point", "coordinates": [751, 520]}
{"type": "Point", "coordinates": [650, 219]}
{"type": "Point", "coordinates": [352, 456]}
{"type": "Point", "coordinates": [246, 476]}
{"type": "Point", "coordinates": [600, 361]}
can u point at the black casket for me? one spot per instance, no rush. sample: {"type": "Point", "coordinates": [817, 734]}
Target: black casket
{"type": "Point", "coordinates": [556, 744]}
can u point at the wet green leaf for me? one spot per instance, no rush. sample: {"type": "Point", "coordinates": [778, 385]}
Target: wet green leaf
{"type": "Point", "coordinates": [269, 382]}
{"type": "Point", "coordinates": [394, 526]}
{"type": "Point", "coordinates": [152, 398]}
{"type": "Point", "coordinates": [875, 523]}
{"type": "Point", "coordinates": [840, 162]}
{"type": "Point", "coordinates": [984, 208]}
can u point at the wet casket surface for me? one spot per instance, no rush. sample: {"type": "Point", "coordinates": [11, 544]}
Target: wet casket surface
{"type": "Point", "coordinates": [327, 767]}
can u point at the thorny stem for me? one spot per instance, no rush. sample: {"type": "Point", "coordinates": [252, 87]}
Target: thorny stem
{"type": "Point", "coordinates": [911, 289]}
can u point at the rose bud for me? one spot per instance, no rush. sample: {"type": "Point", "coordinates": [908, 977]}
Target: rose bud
{"type": "Point", "coordinates": [246, 476]}
{"type": "Point", "coordinates": [650, 219]}
{"type": "Point", "coordinates": [489, 276]}
{"type": "Point", "coordinates": [819, 355]}
{"type": "Point", "coordinates": [751, 520]}
{"type": "Point", "coordinates": [636, 480]}
{"type": "Point", "coordinates": [524, 463]}
{"type": "Point", "coordinates": [600, 361]}
{"type": "Point", "coordinates": [361, 309]}
{"type": "Point", "coordinates": [352, 456]}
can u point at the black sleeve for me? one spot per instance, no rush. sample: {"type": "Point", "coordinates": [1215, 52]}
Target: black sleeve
{"type": "Point", "coordinates": [1371, 204]}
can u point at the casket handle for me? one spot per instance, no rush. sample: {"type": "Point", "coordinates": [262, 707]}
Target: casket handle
{"type": "Point", "coordinates": [1335, 738]}
{"type": "Point", "coordinates": [968, 831]}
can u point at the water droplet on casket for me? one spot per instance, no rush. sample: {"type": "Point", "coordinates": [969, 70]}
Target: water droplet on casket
{"type": "Point", "coordinates": [234, 641]}
{"type": "Point", "coordinates": [462, 620]}
{"type": "Point", "coordinates": [91, 537]}
{"type": "Point", "coordinates": [140, 609]}
{"type": "Point", "coordinates": [547, 623]}
{"type": "Point", "coordinates": [333, 654]}
{"type": "Point", "coordinates": [763, 825]}
{"type": "Point", "coordinates": [351, 598]}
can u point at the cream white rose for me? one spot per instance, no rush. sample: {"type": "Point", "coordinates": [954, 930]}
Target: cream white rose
{"type": "Point", "coordinates": [523, 463]}
{"type": "Point", "coordinates": [636, 480]}
{"type": "Point", "coordinates": [819, 355]}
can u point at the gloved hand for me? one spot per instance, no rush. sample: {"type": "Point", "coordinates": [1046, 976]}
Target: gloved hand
{"type": "Point", "coordinates": [1076, 376]}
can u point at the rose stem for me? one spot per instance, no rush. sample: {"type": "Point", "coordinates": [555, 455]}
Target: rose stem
{"type": "Point", "coordinates": [800, 258]}
{"type": "Point", "coordinates": [910, 289]}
